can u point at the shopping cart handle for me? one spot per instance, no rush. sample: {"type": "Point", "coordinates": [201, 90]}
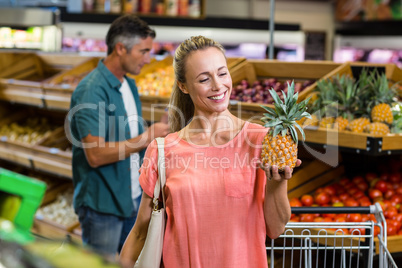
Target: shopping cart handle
{"type": "Point", "coordinates": [331, 210]}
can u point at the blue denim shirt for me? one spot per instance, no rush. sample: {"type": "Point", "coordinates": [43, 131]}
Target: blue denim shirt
{"type": "Point", "coordinates": [97, 108]}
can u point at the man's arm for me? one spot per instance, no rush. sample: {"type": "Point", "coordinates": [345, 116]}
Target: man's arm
{"type": "Point", "coordinates": [100, 153]}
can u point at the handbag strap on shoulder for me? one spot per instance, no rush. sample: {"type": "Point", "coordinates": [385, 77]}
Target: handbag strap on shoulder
{"type": "Point", "coordinates": [161, 172]}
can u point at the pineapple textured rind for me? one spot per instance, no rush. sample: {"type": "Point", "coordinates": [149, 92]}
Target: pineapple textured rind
{"type": "Point", "coordinates": [280, 143]}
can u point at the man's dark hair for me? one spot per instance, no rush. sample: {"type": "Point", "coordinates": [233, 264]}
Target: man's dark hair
{"type": "Point", "coordinates": [127, 29]}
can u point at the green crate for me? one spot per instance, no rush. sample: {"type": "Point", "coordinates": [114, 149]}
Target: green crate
{"type": "Point", "coordinates": [20, 197]}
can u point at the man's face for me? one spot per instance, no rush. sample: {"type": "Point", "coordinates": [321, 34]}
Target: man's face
{"type": "Point", "coordinates": [139, 55]}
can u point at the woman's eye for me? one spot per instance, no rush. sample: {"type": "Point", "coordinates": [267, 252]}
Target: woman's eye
{"type": "Point", "coordinates": [222, 74]}
{"type": "Point", "coordinates": [204, 80]}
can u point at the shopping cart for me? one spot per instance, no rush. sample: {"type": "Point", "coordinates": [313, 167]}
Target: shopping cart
{"type": "Point", "coordinates": [332, 244]}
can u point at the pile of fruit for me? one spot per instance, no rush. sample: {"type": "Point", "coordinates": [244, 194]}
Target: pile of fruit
{"type": "Point", "coordinates": [159, 83]}
{"type": "Point", "coordinates": [61, 211]}
{"type": "Point", "coordinates": [29, 131]}
{"type": "Point", "coordinates": [258, 92]}
{"type": "Point", "coordinates": [73, 80]}
{"type": "Point", "coordinates": [367, 104]}
{"type": "Point", "coordinates": [385, 188]}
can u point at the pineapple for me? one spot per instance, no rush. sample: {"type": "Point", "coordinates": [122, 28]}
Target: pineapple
{"type": "Point", "coordinates": [381, 97]}
{"type": "Point", "coordinates": [311, 121]}
{"type": "Point", "coordinates": [348, 101]}
{"type": "Point", "coordinates": [357, 125]}
{"type": "Point", "coordinates": [280, 143]}
{"type": "Point", "coordinates": [341, 123]}
{"type": "Point", "coordinates": [377, 128]}
{"type": "Point", "coordinates": [382, 113]}
{"type": "Point", "coordinates": [326, 122]}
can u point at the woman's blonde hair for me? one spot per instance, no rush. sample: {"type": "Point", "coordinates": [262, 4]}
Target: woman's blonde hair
{"type": "Point", "coordinates": [181, 107]}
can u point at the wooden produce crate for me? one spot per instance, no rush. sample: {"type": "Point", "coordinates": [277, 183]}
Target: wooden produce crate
{"type": "Point", "coordinates": [359, 142]}
{"type": "Point", "coordinates": [55, 218]}
{"type": "Point", "coordinates": [53, 154]}
{"type": "Point", "coordinates": [253, 70]}
{"type": "Point", "coordinates": [21, 148]}
{"type": "Point", "coordinates": [21, 77]}
{"type": "Point", "coordinates": [58, 89]}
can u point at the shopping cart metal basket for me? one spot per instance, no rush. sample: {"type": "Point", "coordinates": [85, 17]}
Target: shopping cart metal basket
{"type": "Point", "coordinates": [332, 244]}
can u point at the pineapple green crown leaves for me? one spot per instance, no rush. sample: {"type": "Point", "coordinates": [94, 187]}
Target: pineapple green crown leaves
{"type": "Point", "coordinates": [286, 113]}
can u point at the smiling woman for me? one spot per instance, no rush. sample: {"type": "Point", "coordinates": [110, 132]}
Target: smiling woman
{"type": "Point", "coordinates": [217, 194]}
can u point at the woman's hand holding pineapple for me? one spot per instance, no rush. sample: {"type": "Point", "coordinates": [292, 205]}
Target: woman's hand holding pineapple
{"type": "Point", "coordinates": [272, 172]}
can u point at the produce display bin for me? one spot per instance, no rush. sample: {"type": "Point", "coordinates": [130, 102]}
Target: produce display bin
{"type": "Point", "coordinates": [360, 143]}
{"type": "Point", "coordinates": [43, 224]}
{"type": "Point", "coordinates": [22, 75]}
{"type": "Point", "coordinates": [58, 89]}
{"type": "Point", "coordinates": [47, 152]}
{"type": "Point", "coordinates": [253, 70]}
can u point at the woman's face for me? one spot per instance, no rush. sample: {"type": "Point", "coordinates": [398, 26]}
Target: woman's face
{"type": "Point", "coordinates": [208, 81]}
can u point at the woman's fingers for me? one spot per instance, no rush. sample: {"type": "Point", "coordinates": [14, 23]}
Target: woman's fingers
{"type": "Point", "coordinates": [272, 172]}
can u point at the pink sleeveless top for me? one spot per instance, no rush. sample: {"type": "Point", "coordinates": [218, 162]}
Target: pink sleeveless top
{"type": "Point", "coordinates": [214, 201]}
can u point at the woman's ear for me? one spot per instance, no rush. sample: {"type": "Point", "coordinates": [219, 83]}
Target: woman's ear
{"type": "Point", "coordinates": [182, 87]}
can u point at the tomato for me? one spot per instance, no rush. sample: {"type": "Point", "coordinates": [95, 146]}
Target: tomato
{"type": "Point", "coordinates": [306, 217]}
{"type": "Point", "coordinates": [364, 203]}
{"type": "Point", "coordinates": [330, 190]}
{"type": "Point", "coordinates": [352, 190]}
{"type": "Point", "coordinates": [358, 194]}
{"type": "Point", "coordinates": [363, 186]}
{"type": "Point", "coordinates": [344, 196]}
{"type": "Point", "coordinates": [351, 202]}
{"type": "Point", "coordinates": [389, 193]}
{"type": "Point", "coordinates": [328, 219]}
{"type": "Point", "coordinates": [391, 230]}
{"type": "Point", "coordinates": [357, 179]}
{"type": "Point", "coordinates": [395, 177]}
{"type": "Point", "coordinates": [295, 219]}
{"type": "Point", "coordinates": [319, 190]}
{"type": "Point", "coordinates": [385, 204]}
{"type": "Point", "coordinates": [399, 190]}
{"type": "Point", "coordinates": [390, 212]}
{"type": "Point", "coordinates": [354, 217]}
{"type": "Point", "coordinates": [335, 199]}
{"type": "Point", "coordinates": [344, 181]}
{"type": "Point", "coordinates": [374, 194]}
{"type": "Point", "coordinates": [340, 219]}
{"type": "Point", "coordinates": [396, 200]}
{"type": "Point", "coordinates": [322, 199]}
{"type": "Point", "coordinates": [307, 200]}
{"type": "Point", "coordinates": [329, 216]}
{"type": "Point", "coordinates": [318, 219]}
{"type": "Point", "coordinates": [395, 223]}
{"type": "Point", "coordinates": [384, 176]}
{"type": "Point", "coordinates": [381, 185]}
{"type": "Point", "coordinates": [365, 217]}
{"type": "Point", "coordinates": [295, 202]}
{"type": "Point", "coordinates": [371, 176]}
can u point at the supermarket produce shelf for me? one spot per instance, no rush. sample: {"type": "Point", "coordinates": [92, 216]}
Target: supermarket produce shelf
{"type": "Point", "coordinates": [360, 143]}
{"type": "Point", "coordinates": [36, 157]}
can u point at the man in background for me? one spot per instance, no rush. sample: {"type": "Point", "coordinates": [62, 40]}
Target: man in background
{"type": "Point", "coordinates": [106, 121]}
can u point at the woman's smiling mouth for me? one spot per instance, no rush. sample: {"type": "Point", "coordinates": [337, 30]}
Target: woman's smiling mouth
{"type": "Point", "coordinates": [218, 97]}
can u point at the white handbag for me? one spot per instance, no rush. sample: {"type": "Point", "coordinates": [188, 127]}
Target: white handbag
{"type": "Point", "coordinates": [151, 253]}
